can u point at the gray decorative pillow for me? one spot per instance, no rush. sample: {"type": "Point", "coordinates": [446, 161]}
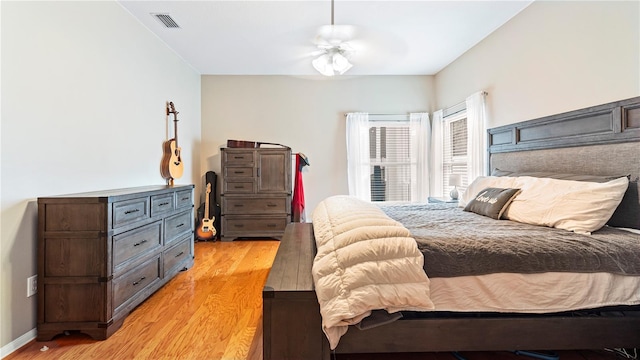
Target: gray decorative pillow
{"type": "Point", "coordinates": [492, 202]}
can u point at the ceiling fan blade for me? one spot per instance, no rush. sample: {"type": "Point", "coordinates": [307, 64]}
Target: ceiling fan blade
{"type": "Point", "coordinates": [335, 34]}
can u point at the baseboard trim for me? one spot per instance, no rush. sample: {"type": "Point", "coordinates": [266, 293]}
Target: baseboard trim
{"type": "Point", "coordinates": [18, 343]}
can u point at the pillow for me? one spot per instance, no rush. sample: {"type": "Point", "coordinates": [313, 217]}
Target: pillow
{"type": "Point", "coordinates": [626, 214]}
{"type": "Point", "coordinates": [492, 202]}
{"type": "Point", "coordinates": [582, 207]}
{"type": "Point", "coordinates": [483, 182]}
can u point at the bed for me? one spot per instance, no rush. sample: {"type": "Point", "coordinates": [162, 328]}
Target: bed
{"type": "Point", "coordinates": [602, 140]}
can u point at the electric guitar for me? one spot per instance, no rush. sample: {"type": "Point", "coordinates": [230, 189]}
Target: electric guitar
{"type": "Point", "coordinates": [171, 166]}
{"type": "Point", "coordinates": [205, 230]}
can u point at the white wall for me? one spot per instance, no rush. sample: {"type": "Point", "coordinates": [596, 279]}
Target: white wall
{"type": "Point", "coordinates": [84, 87]}
{"type": "Point", "coordinates": [306, 114]}
{"type": "Point", "coordinates": [554, 56]}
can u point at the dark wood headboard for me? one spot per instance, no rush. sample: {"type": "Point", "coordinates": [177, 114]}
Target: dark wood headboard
{"type": "Point", "coordinates": [599, 140]}
{"type": "Point", "coordinates": [614, 122]}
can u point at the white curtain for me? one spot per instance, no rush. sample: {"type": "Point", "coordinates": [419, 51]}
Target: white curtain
{"type": "Point", "coordinates": [420, 130]}
{"type": "Point", "coordinates": [436, 155]}
{"type": "Point", "coordinates": [477, 136]}
{"type": "Point", "coordinates": [358, 161]}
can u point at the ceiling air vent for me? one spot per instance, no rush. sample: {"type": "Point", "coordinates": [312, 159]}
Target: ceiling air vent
{"type": "Point", "coordinates": [166, 20]}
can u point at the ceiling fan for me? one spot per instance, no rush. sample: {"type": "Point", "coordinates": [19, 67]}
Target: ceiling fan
{"type": "Point", "coordinates": [334, 50]}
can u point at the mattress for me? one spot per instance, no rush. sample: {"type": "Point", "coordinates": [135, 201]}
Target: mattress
{"type": "Point", "coordinates": [599, 270]}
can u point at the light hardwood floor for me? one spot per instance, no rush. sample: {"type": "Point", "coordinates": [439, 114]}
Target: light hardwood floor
{"type": "Point", "coordinates": [213, 311]}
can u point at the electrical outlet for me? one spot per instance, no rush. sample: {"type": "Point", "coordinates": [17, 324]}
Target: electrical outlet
{"type": "Point", "coordinates": [32, 285]}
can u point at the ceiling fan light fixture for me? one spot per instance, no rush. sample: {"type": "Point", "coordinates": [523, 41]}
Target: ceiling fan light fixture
{"type": "Point", "coordinates": [332, 61]}
{"type": "Point", "coordinates": [340, 63]}
{"type": "Point", "coordinates": [334, 50]}
{"type": "Point", "coordinates": [324, 65]}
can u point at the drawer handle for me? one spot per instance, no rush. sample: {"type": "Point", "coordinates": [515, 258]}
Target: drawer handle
{"type": "Point", "coordinates": [272, 205]}
{"type": "Point", "coordinates": [239, 187]}
{"type": "Point", "coordinates": [238, 172]}
{"type": "Point", "coordinates": [185, 198]}
{"type": "Point", "coordinates": [239, 225]}
{"type": "Point", "coordinates": [177, 226]}
{"type": "Point", "coordinates": [139, 281]}
{"type": "Point", "coordinates": [180, 254]}
{"type": "Point", "coordinates": [238, 157]}
{"type": "Point", "coordinates": [238, 205]}
{"type": "Point", "coordinates": [140, 243]}
{"type": "Point", "coordinates": [163, 204]}
{"type": "Point", "coordinates": [131, 211]}
{"type": "Point", "coordinates": [271, 225]}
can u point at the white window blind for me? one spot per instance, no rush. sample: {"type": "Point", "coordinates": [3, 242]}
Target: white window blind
{"type": "Point", "coordinates": [455, 159]}
{"type": "Point", "coordinates": [393, 170]}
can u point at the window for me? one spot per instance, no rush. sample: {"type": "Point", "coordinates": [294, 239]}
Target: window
{"type": "Point", "coordinates": [454, 151]}
{"type": "Point", "coordinates": [459, 144]}
{"type": "Point", "coordinates": [387, 157]}
{"type": "Point", "coordinates": [391, 164]}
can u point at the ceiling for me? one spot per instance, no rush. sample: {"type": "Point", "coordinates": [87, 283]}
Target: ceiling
{"type": "Point", "coordinates": [237, 37]}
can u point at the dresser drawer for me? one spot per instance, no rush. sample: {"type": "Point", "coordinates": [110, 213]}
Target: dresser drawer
{"type": "Point", "coordinates": [184, 199]}
{"type": "Point", "coordinates": [136, 242]}
{"type": "Point", "coordinates": [177, 225]}
{"type": "Point", "coordinates": [129, 211]}
{"type": "Point", "coordinates": [176, 255]}
{"type": "Point", "coordinates": [234, 205]}
{"type": "Point", "coordinates": [161, 204]}
{"type": "Point", "coordinates": [246, 225]}
{"type": "Point", "coordinates": [134, 281]}
{"type": "Point", "coordinates": [237, 187]}
{"type": "Point", "coordinates": [238, 157]}
{"type": "Point", "coordinates": [238, 172]}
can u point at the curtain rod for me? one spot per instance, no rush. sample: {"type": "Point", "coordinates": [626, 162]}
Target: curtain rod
{"type": "Point", "coordinates": [347, 114]}
{"type": "Point", "coordinates": [454, 109]}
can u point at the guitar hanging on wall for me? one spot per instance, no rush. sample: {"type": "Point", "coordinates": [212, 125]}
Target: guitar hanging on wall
{"type": "Point", "coordinates": [171, 166]}
{"type": "Point", "coordinates": [205, 230]}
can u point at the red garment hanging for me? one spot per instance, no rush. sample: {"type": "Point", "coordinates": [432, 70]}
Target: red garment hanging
{"type": "Point", "coordinates": [297, 203]}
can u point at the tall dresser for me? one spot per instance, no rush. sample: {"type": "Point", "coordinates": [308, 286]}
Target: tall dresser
{"type": "Point", "coordinates": [101, 254]}
{"type": "Point", "coordinates": [256, 192]}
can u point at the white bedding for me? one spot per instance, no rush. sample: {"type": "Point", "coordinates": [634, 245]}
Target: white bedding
{"type": "Point", "coordinates": [368, 261]}
{"type": "Point", "coordinates": [365, 261]}
{"type": "Point", "coordinates": [534, 293]}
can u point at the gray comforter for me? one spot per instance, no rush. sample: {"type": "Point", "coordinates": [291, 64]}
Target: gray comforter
{"type": "Point", "coordinates": [459, 243]}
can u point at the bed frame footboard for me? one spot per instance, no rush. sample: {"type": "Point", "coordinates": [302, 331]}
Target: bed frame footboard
{"type": "Point", "coordinates": [292, 325]}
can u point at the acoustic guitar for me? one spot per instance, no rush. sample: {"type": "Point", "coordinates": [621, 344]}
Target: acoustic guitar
{"type": "Point", "coordinates": [171, 166]}
{"type": "Point", "coordinates": [205, 230]}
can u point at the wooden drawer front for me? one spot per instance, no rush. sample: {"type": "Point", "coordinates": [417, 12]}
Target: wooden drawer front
{"type": "Point", "coordinates": [136, 242]}
{"type": "Point", "coordinates": [176, 255]}
{"type": "Point", "coordinates": [254, 205]}
{"type": "Point", "coordinates": [177, 225]}
{"type": "Point", "coordinates": [161, 204]}
{"type": "Point", "coordinates": [238, 172]}
{"type": "Point", "coordinates": [184, 199]}
{"type": "Point", "coordinates": [248, 224]}
{"type": "Point", "coordinates": [238, 187]}
{"type": "Point", "coordinates": [125, 212]}
{"type": "Point", "coordinates": [127, 285]}
{"type": "Point", "coordinates": [238, 157]}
